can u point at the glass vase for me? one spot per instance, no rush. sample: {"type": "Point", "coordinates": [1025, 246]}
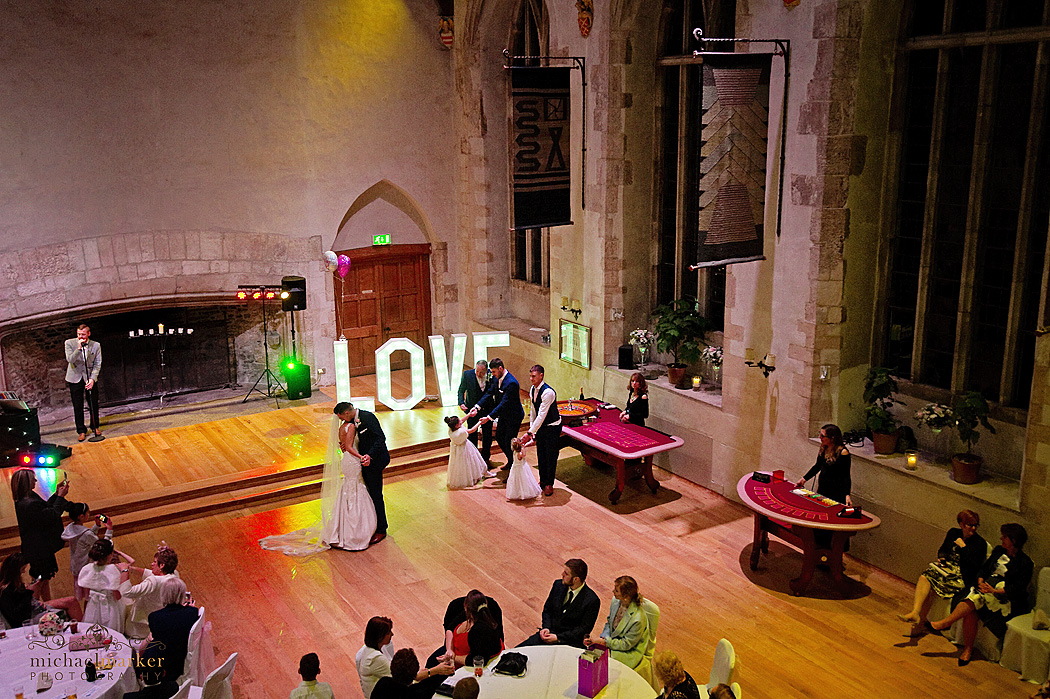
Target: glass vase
{"type": "Point", "coordinates": [643, 352]}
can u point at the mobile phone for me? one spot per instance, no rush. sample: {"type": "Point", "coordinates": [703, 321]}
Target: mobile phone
{"type": "Point", "coordinates": [103, 518]}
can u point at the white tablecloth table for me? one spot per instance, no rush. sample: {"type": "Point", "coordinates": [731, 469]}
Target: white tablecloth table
{"type": "Point", "coordinates": [553, 673]}
{"type": "Point", "coordinates": [23, 659]}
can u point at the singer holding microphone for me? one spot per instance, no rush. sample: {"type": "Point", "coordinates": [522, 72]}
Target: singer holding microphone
{"type": "Point", "coordinates": [83, 363]}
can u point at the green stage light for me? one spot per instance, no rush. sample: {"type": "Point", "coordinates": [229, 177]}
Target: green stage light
{"type": "Point", "coordinates": [291, 365]}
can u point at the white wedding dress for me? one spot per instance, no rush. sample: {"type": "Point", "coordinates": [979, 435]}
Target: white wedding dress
{"type": "Point", "coordinates": [522, 483]}
{"type": "Point", "coordinates": [465, 465]}
{"type": "Point", "coordinates": [353, 520]}
{"type": "Point", "coordinates": [346, 509]}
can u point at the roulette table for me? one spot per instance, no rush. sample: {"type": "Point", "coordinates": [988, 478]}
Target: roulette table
{"type": "Point", "coordinates": [793, 515]}
{"type": "Point", "coordinates": [603, 438]}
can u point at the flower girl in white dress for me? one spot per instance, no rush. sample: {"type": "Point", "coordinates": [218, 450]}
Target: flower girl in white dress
{"type": "Point", "coordinates": [353, 519]}
{"type": "Point", "coordinates": [522, 483]}
{"type": "Point", "coordinates": [101, 580]}
{"type": "Point", "coordinates": [465, 465]}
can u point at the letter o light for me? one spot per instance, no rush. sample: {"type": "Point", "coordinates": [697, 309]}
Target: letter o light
{"type": "Point", "coordinates": [417, 362]}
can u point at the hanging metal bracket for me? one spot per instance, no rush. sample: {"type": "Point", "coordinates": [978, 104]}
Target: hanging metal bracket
{"type": "Point", "coordinates": [578, 63]}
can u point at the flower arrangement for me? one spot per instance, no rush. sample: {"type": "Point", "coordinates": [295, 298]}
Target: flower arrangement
{"type": "Point", "coordinates": [712, 355]}
{"type": "Point", "coordinates": [50, 624]}
{"type": "Point", "coordinates": [642, 337]}
{"type": "Point", "coordinates": [936, 416]}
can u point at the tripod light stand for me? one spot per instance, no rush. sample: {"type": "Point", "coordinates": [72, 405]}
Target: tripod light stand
{"type": "Point", "coordinates": [263, 294]}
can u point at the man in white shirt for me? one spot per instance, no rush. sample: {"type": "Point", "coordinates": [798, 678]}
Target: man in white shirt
{"type": "Point", "coordinates": [544, 428]}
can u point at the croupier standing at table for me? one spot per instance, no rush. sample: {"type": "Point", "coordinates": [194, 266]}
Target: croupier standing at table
{"type": "Point", "coordinates": [83, 364]}
{"type": "Point", "coordinates": [544, 428]}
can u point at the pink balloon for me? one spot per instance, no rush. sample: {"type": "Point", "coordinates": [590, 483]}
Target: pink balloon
{"type": "Point", "coordinates": [344, 266]}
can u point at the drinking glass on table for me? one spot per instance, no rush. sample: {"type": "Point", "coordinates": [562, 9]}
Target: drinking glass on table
{"type": "Point", "coordinates": [479, 665]}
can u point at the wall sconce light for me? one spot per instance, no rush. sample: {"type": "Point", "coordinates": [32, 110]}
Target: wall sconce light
{"type": "Point", "coordinates": [573, 307]}
{"type": "Point", "coordinates": [767, 364]}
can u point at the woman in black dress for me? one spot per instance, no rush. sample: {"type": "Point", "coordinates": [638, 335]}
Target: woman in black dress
{"type": "Point", "coordinates": [1001, 592]}
{"type": "Point", "coordinates": [39, 526]}
{"type": "Point", "coordinates": [959, 560]}
{"type": "Point", "coordinates": [637, 409]}
{"type": "Point", "coordinates": [833, 462]}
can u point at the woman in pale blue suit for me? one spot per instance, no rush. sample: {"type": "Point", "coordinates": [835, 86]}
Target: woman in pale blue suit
{"type": "Point", "coordinates": [626, 632]}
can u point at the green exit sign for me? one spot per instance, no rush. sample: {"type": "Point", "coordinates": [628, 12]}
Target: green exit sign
{"type": "Point", "coordinates": [381, 239]}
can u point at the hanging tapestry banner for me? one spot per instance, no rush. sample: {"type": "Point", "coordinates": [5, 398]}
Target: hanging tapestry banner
{"type": "Point", "coordinates": [733, 137]}
{"type": "Point", "coordinates": [539, 147]}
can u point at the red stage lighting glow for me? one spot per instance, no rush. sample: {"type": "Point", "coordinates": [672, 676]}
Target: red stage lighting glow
{"type": "Point", "coordinates": [270, 294]}
{"type": "Point", "coordinates": [257, 295]}
{"type": "Point", "coordinates": [242, 295]}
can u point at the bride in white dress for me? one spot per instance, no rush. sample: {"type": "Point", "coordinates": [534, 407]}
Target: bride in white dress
{"type": "Point", "coordinates": [348, 517]}
{"type": "Point", "coordinates": [353, 520]}
{"type": "Point", "coordinates": [465, 465]}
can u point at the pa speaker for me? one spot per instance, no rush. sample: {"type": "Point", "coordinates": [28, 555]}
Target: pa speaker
{"type": "Point", "coordinates": [626, 358]}
{"type": "Point", "coordinates": [298, 378]}
{"type": "Point", "coordinates": [293, 293]}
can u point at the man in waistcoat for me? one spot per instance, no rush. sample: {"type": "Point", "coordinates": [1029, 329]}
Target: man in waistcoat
{"type": "Point", "coordinates": [544, 428]}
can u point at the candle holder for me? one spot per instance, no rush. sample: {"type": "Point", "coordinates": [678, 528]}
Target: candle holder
{"type": "Point", "coordinates": [911, 460]}
{"type": "Point", "coordinates": [696, 383]}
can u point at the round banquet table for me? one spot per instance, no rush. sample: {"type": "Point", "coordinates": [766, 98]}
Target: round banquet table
{"type": "Point", "coordinates": [23, 659]}
{"type": "Point", "coordinates": [553, 673]}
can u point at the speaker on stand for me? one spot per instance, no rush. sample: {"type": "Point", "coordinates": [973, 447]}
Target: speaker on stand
{"type": "Point", "coordinates": [296, 374]}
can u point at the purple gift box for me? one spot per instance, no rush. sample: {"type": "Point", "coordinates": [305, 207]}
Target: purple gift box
{"type": "Point", "coordinates": [594, 671]}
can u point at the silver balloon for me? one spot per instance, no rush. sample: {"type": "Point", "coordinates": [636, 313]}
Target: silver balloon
{"type": "Point", "coordinates": [331, 261]}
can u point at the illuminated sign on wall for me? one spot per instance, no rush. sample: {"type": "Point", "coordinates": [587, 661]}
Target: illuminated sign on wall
{"type": "Point", "coordinates": [448, 373]}
{"type": "Point", "coordinates": [381, 239]}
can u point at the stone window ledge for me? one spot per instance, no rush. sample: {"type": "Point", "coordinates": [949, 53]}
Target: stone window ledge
{"type": "Point", "coordinates": [517, 327]}
{"type": "Point", "coordinates": [708, 394]}
{"type": "Point", "coordinates": [936, 470]}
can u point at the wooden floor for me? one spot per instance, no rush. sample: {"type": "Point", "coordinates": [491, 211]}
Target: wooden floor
{"type": "Point", "coordinates": [687, 547]}
{"type": "Point", "coordinates": [689, 555]}
{"type": "Point", "coordinates": [168, 460]}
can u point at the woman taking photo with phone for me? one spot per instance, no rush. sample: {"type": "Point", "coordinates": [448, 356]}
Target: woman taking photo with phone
{"type": "Point", "coordinates": [39, 526]}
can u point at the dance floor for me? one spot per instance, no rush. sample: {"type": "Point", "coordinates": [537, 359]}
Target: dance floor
{"type": "Point", "coordinates": [688, 552]}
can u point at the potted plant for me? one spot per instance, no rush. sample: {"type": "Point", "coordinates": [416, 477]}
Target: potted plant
{"type": "Point", "coordinates": [679, 332]}
{"type": "Point", "coordinates": [712, 356]}
{"type": "Point", "coordinates": [879, 387]}
{"type": "Point", "coordinates": [971, 414]}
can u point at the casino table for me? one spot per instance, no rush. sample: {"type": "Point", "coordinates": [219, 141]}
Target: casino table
{"type": "Point", "coordinates": [793, 515]}
{"type": "Point", "coordinates": [605, 439]}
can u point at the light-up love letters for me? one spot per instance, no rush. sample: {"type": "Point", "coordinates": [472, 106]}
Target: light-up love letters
{"type": "Point", "coordinates": [448, 373]}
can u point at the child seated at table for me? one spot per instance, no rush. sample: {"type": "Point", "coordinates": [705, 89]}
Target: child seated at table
{"type": "Point", "coordinates": [522, 483]}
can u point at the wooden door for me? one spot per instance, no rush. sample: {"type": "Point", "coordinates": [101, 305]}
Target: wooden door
{"type": "Point", "coordinates": [386, 294]}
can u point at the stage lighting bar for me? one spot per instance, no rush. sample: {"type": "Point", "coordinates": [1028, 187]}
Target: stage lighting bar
{"type": "Point", "coordinates": [258, 292]}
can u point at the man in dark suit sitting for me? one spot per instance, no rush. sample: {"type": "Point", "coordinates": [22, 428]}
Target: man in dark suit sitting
{"type": "Point", "coordinates": [169, 629]}
{"type": "Point", "coordinates": [471, 388]}
{"type": "Point", "coordinates": [570, 611]}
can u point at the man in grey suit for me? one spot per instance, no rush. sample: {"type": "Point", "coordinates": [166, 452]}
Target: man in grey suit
{"type": "Point", "coordinates": [83, 364]}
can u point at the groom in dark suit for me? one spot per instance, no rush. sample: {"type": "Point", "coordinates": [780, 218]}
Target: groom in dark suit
{"type": "Point", "coordinates": [570, 611]}
{"type": "Point", "coordinates": [504, 395]}
{"type": "Point", "coordinates": [471, 388]}
{"type": "Point", "coordinates": [371, 443]}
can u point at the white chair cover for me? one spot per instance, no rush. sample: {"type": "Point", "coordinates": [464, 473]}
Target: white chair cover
{"type": "Point", "coordinates": [723, 666]}
{"type": "Point", "coordinates": [219, 684]}
{"type": "Point", "coordinates": [736, 690]}
{"type": "Point", "coordinates": [192, 670]}
{"type": "Point", "coordinates": [1027, 650]}
{"type": "Point", "coordinates": [187, 691]}
{"type": "Point", "coordinates": [645, 668]}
